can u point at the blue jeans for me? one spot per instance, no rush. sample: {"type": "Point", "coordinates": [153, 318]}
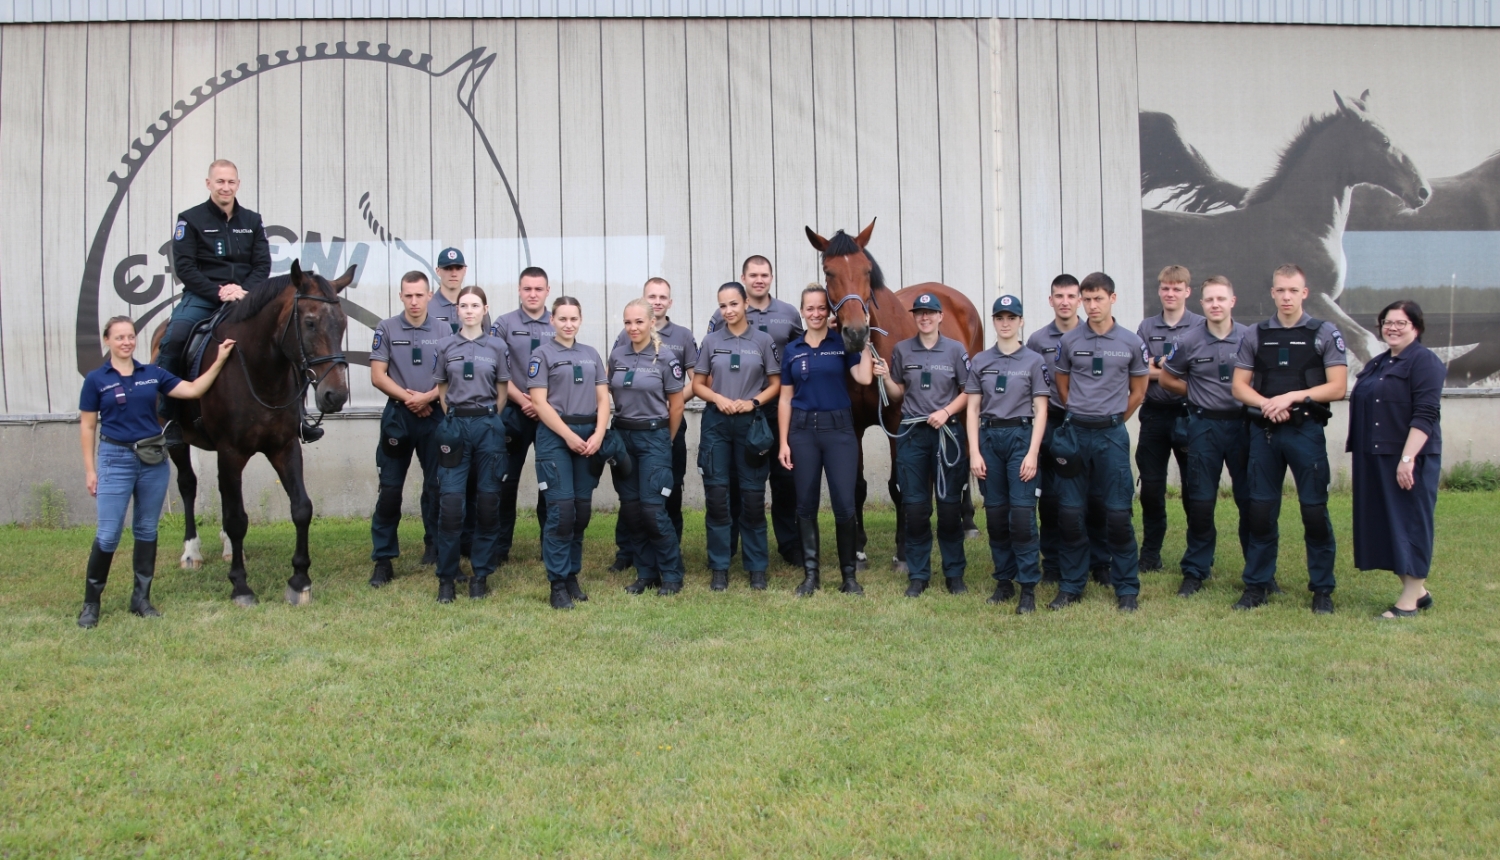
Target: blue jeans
{"type": "Point", "coordinates": [1010, 503]}
{"type": "Point", "coordinates": [1272, 451]}
{"type": "Point", "coordinates": [1213, 444]}
{"type": "Point", "coordinates": [122, 477]}
{"type": "Point", "coordinates": [721, 444]}
{"type": "Point", "coordinates": [922, 472]}
{"type": "Point", "coordinates": [1105, 477]}
{"type": "Point", "coordinates": [649, 536]}
{"type": "Point", "coordinates": [483, 442]}
{"type": "Point", "coordinates": [563, 479]}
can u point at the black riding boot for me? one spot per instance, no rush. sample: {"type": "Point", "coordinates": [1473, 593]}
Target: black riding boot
{"type": "Point", "coordinates": [807, 529]}
{"type": "Point", "coordinates": [145, 569]}
{"type": "Point", "coordinates": [93, 585]}
{"type": "Point", "coordinates": [846, 534]}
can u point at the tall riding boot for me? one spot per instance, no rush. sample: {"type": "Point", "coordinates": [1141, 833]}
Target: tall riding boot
{"type": "Point", "coordinates": [807, 529]}
{"type": "Point", "coordinates": [145, 569]}
{"type": "Point", "coordinates": [847, 535]}
{"type": "Point", "coordinates": [93, 585]}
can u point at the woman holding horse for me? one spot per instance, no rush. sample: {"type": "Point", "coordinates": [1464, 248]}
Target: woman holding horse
{"type": "Point", "coordinates": [118, 405]}
{"type": "Point", "coordinates": [569, 387]}
{"type": "Point", "coordinates": [737, 374]}
{"type": "Point", "coordinates": [471, 370]}
{"type": "Point", "coordinates": [817, 432]}
{"type": "Point", "coordinates": [646, 380]}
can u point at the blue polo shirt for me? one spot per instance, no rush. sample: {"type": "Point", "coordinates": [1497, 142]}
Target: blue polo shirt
{"type": "Point", "coordinates": [126, 404]}
{"type": "Point", "coordinates": [818, 375]}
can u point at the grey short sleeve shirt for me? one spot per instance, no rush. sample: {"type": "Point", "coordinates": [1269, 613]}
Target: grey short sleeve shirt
{"type": "Point", "coordinates": [409, 351]}
{"type": "Point", "coordinates": [1329, 342]}
{"type": "Point", "coordinates": [1099, 367]}
{"type": "Point", "coordinates": [474, 369]}
{"type": "Point", "coordinates": [522, 334]}
{"type": "Point", "coordinates": [780, 320]}
{"type": "Point", "coordinates": [739, 366]}
{"type": "Point", "coordinates": [1044, 342]}
{"type": "Point", "coordinates": [1005, 384]}
{"type": "Point", "coordinates": [571, 375]}
{"type": "Point", "coordinates": [931, 377]}
{"type": "Point", "coordinates": [675, 337]}
{"type": "Point", "coordinates": [1160, 341]}
{"type": "Point", "coordinates": [641, 381]}
{"type": "Point", "coordinates": [1207, 363]}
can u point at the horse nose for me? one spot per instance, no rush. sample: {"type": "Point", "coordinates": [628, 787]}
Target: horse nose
{"type": "Point", "coordinates": [1424, 192]}
{"type": "Point", "coordinates": [333, 401]}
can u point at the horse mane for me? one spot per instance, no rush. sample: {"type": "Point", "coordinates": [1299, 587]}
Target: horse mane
{"type": "Point", "coordinates": [1171, 164]}
{"type": "Point", "coordinates": [1293, 151]}
{"type": "Point", "coordinates": [843, 245]}
{"type": "Point", "coordinates": [265, 293]}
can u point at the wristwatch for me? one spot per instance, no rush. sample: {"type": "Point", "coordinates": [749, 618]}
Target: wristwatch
{"type": "Point", "coordinates": [1405, 459]}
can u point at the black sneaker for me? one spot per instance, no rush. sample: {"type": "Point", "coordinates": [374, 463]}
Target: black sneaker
{"type": "Point", "coordinates": [446, 589]}
{"type": "Point", "coordinates": [1027, 604]}
{"type": "Point", "coordinates": [718, 580]}
{"type": "Point", "coordinates": [1322, 603]}
{"type": "Point", "coordinates": [1100, 574]}
{"type": "Point", "coordinates": [1150, 563]}
{"type": "Point", "coordinates": [429, 555]}
{"type": "Point", "coordinates": [477, 589]}
{"type": "Point", "coordinates": [1064, 599]}
{"type": "Point", "coordinates": [1190, 586]}
{"type": "Point", "coordinates": [1004, 591]}
{"type": "Point", "coordinates": [1254, 596]}
{"type": "Point", "coordinates": [916, 587]}
{"type": "Point", "coordinates": [1126, 603]}
{"type": "Point", "coordinates": [955, 585]}
{"type": "Point", "coordinates": [382, 574]}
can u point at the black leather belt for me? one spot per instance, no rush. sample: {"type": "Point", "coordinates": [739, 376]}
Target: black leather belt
{"type": "Point", "coordinates": [1088, 423]}
{"type": "Point", "coordinates": [1220, 414]}
{"type": "Point", "coordinates": [473, 411]}
{"type": "Point", "coordinates": [1004, 422]}
{"type": "Point", "coordinates": [1164, 409]}
{"type": "Point", "coordinates": [638, 424]}
{"type": "Point", "coordinates": [579, 419]}
{"type": "Point", "coordinates": [104, 438]}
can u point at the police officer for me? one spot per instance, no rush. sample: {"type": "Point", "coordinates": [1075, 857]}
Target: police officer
{"type": "Point", "coordinates": [451, 271]}
{"type": "Point", "coordinates": [781, 321]}
{"type": "Point", "coordinates": [647, 382]}
{"type": "Point", "coordinates": [817, 435]}
{"type": "Point", "coordinates": [1102, 375]}
{"type": "Point", "coordinates": [219, 253]}
{"type": "Point", "coordinates": [928, 372]}
{"type": "Point", "coordinates": [738, 373]}
{"type": "Point", "coordinates": [1202, 369]}
{"type": "Point", "coordinates": [569, 387]}
{"type": "Point", "coordinates": [680, 342]}
{"type": "Point", "coordinates": [1162, 334]}
{"type": "Point", "coordinates": [523, 330]}
{"type": "Point", "coordinates": [472, 370]}
{"type": "Point", "coordinates": [1006, 426]}
{"type": "Point", "coordinates": [1287, 369]}
{"type": "Point", "coordinates": [401, 364]}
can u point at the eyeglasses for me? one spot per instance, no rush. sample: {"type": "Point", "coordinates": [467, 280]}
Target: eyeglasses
{"type": "Point", "coordinates": [1396, 325]}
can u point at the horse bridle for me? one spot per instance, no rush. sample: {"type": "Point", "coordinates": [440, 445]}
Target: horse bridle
{"type": "Point", "coordinates": [303, 363]}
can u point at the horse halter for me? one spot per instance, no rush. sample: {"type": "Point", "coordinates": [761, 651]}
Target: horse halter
{"type": "Point", "coordinates": [302, 363]}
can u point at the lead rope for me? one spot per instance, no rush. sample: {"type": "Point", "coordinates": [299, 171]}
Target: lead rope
{"type": "Point", "coordinates": [945, 435]}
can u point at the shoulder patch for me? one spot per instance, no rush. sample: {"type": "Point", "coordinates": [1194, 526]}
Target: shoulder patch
{"type": "Point", "coordinates": [495, 330]}
{"type": "Point", "coordinates": [676, 370]}
{"type": "Point", "coordinates": [379, 339]}
{"type": "Point", "coordinates": [181, 231]}
{"type": "Point", "coordinates": [534, 367]}
{"type": "Point", "coordinates": [1338, 341]}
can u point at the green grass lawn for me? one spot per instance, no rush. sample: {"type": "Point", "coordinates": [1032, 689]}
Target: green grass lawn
{"type": "Point", "coordinates": [745, 724]}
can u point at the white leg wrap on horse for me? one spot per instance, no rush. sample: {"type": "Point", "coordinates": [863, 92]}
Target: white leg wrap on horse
{"type": "Point", "coordinates": [192, 554]}
{"type": "Point", "coordinates": [228, 547]}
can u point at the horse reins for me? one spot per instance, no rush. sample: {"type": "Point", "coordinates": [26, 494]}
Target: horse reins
{"type": "Point", "coordinates": [303, 363]}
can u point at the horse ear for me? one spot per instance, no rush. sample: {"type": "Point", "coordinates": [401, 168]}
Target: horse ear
{"type": "Point", "coordinates": [863, 238]}
{"type": "Point", "coordinates": [298, 279]}
{"type": "Point", "coordinates": [343, 281]}
{"type": "Point", "coordinates": [817, 241]}
{"type": "Point", "coordinates": [1355, 106]}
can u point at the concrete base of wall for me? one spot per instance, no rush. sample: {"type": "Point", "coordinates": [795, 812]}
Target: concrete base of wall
{"type": "Point", "coordinates": [341, 468]}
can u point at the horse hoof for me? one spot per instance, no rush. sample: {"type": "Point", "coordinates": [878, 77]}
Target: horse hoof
{"type": "Point", "coordinates": [900, 567]}
{"type": "Point", "coordinates": [245, 600]}
{"type": "Point", "coordinates": [971, 534]}
{"type": "Point", "coordinates": [298, 598]}
{"type": "Point", "coordinates": [192, 563]}
{"type": "Point", "coordinates": [192, 554]}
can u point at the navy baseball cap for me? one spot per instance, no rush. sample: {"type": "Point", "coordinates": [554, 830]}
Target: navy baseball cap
{"type": "Point", "coordinates": [450, 257]}
{"type": "Point", "coordinates": [927, 302]}
{"type": "Point", "coordinates": [1007, 305]}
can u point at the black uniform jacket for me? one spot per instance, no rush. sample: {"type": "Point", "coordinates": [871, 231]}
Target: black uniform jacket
{"type": "Point", "coordinates": [210, 250]}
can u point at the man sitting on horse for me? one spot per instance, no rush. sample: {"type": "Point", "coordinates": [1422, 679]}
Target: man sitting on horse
{"type": "Point", "coordinates": [220, 253]}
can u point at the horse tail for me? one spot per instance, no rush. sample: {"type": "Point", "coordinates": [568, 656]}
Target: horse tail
{"type": "Point", "coordinates": [1171, 164]}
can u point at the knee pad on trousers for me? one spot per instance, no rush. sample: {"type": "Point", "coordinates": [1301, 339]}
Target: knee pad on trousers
{"type": "Point", "coordinates": [1200, 516]}
{"type": "Point", "coordinates": [1154, 495]}
{"type": "Point", "coordinates": [1315, 522]}
{"type": "Point", "coordinates": [997, 522]}
{"type": "Point", "coordinates": [651, 517]}
{"type": "Point", "coordinates": [388, 504]}
{"type": "Point", "coordinates": [1022, 524]}
{"type": "Point", "coordinates": [487, 510]}
{"type": "Point", "coordinates": [1262, 525]}
{"type": "Point", "coordinates": [1117, 529]}
{"type": "Point", "coordinates": [919, 522]}
{"type": "Point", "coordinates": [950, 520]}
{"type": "Point", "coordinates": [567, 516]}
{"type": "Point", "coordinates": [1070, 525]}
{"type": "Point", "coordinates": [716, 505]}
{"type": "Point", "coordinates": [583, 511]}
{"type": "Point", "coordinates": [752, 506]}
{"type": "Point", "coordinates": [451, 513]}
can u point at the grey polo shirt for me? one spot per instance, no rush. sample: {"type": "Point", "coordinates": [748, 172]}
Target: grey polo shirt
{"type": "Point", "coordinates": [931, 377]}
{"type": "Point", "coordinates": [1099, 367]}
{"type": "Point", "coordinates": [1207, 363]}
{"type": "Point", "coordinates": [739, 366]}
{"type": "Point", "coordinates": [675, 337]}
{"type": "Point", "coordinates": [780, 320]}
{"type": "Point", "coordinates": [641, 381]}
{"type": "Point", "coordinates": [442, 310]}
{"type": "Point", "coordinates": [522, 334]}
{"type": "Point", "coordinates": [1005, 384]}
{"type": "Point", "coordinates": [409, 351]}
{"type": "Point", "coordinates": [1329, 342]}
{"type": "Point", "coordinates": [571, 375]}
{"type": "Point", "coordinates": [1044, 342]}
{"type": "Point", "coordinates": [474, 369]}
{"type": "Point", "coordinates": [1161, 340]}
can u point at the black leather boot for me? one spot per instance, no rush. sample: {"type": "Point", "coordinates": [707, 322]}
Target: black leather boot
{"type": "Point", "coordinates": [718, 580]}
{"type": "Point", "coordinates": [575, 590]}
{"type": "Point", "coordinates": [96, 575]}
{"type": "Point", "coordinates": [1027, 604]}
{"type": "Point", "coordinates": [807, 528]}
{"type": "Point", "coordinates": [846, 534]}
{"type": "Point", "coordinates": [758, 580]}
{"type": "Point", "coordinates": [478, 589]}
{"type": "Point", "coordinates": [145, 570]}
{"type": "Point", "coordinates": [382, 574]}
{"type": "Point", "coordinates": [642, 583]}
{"type": "Point", "coordinates": [560, 598]}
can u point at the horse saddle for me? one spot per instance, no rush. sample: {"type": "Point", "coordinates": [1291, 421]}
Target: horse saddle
{"type": "Point", "coordinates": [198, 340]}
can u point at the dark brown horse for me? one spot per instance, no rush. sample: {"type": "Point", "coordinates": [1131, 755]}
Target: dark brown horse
{"type": "Point", "coordinates": [290, 335]}
{"type": "Point", "coordinates": [868, 312]}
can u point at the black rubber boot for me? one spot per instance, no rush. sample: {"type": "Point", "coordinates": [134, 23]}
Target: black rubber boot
{"type": "Point", "coordinates": [560, 598]}
{"type": "Point", "coordinates": [807, 529]}
{"type": "Point", "coordinates": [575, 590]}
{"type": "Point", "coordinates": [94, 578]}
{"type": "Point", "coordinates": [718, 580]}
{"type": "Point", "coordinates": [145, 570]}
{"type": "Point", "coordinates": [382, 574]}
{"type": "Point", "coordinates": [846, 534]}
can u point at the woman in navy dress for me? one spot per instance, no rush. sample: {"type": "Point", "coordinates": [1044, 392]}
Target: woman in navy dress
{"type": "Point", "coordinates": [1397, 444]}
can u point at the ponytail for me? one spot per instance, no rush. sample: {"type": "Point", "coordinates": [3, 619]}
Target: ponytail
{"type": "Point", "coordinates": [644, 305]}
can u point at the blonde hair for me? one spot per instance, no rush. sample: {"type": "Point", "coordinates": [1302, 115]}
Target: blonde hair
{"type": "Point", "coordinates": [1175, 275]}
{"type": "Point", "coordinates": [642, 304]}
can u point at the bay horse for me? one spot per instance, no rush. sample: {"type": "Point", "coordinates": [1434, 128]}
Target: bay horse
{"type": "Point", "coordinates": [290, 334]}
{"type": "Point", "coordinates": [867, 312]}
{"type": "Point", "coordinates": [1298, 215]}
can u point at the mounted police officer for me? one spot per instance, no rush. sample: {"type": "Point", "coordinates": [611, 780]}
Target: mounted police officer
{"type": "Point", "coordinates": [1288, 368]}
{"type": "Point", "coordinates": [402, 358]}
{"type": "Point", "coordinates": [219, 253]}
{"type": "Point", "coordinates": [523, 330]}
